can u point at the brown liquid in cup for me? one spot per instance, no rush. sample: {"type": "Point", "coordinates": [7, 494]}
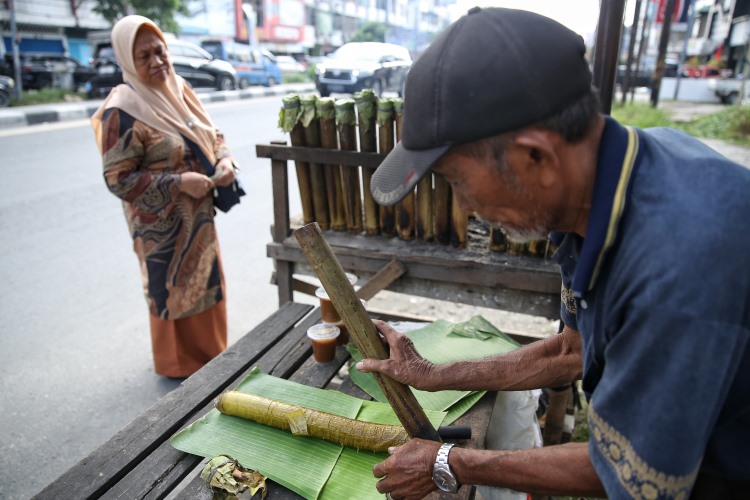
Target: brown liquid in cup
{"type": "Point", "coordinates": [343, 337]}
{"type": "Point", "coordinates": [324, 350]}
{"type": "Point", "coordinates": [328, 312]}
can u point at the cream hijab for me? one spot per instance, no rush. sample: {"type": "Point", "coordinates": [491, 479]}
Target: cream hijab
{"type": "Point", "coordinates": [172, 108]}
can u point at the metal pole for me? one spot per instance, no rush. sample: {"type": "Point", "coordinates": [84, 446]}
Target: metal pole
{"type": "Point", "coordinates": [631, 50]}
{"type": "Point", "coordinates": [14, 44]}
{"type": "Point", "coordinates": [607, 49]}
{"type": "Point", "coordinates": [683, 54]}
{"type": "Point", "coordinates": [663, 44]}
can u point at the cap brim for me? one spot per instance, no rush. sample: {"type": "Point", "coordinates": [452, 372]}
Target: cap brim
{"type": "Point", "coordinates": [400, 171]}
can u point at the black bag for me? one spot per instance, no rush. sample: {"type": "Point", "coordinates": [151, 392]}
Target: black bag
{"type": "Point", "coordinates": [225, 197]}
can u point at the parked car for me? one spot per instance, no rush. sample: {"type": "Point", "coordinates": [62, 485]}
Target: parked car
{"type": "Point", "coordinates": [6, 88]}
{"type": "Point", "coordinates": [254, 66]}
{"type": "Point", "coordinates": [728, 89]}
{"type": "Point", "coordinates": [360, 65]}
{"type": "Point", "coordinates": [194, 64]}
{"type": "Point", "coordinates": [40, 70]}
{"type": "Point", "coordinates": [289, 65]}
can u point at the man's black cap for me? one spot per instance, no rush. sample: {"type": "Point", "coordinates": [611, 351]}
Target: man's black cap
{"type": "Point", "coordinates": [492, 71]}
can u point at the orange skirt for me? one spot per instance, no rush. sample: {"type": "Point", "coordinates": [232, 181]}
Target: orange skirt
{"type": "Point", "coordinates": [182, 346]}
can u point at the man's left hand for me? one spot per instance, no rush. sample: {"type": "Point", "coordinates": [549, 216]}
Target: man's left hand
{"type": "Point", "coordinates": [407, 473]}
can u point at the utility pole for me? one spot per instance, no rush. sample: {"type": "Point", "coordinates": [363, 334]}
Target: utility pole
{"type": "Point", "coordinates": [607, 50]}
{"type": "Point", "coordinates": [14, 44]}
{"type": "Point", "coordinates": [683, 54]}
{"type": "Point", "coordinates": [631, 50]}
{"type": "Point", "coordinates": [663, 43]}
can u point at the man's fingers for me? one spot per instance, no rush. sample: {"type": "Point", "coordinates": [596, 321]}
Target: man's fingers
{"type": "Point", "coordinates": [369, 365]}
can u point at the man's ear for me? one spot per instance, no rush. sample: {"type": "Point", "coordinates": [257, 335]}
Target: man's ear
{"type": "Point", "coordinates": [535, 154]}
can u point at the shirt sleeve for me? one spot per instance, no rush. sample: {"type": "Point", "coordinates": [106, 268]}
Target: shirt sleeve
{"type": "Point", "coordinates": [124, 143]}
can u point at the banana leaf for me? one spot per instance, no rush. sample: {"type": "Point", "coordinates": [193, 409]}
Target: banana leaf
{"type": "Point", "coordinates": [444, 342]}
{"type": "Point", "coordinates": [311, 467]}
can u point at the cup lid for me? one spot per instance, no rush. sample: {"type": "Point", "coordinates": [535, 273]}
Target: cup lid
{"type": "Point", "coordinates": [323, 331]}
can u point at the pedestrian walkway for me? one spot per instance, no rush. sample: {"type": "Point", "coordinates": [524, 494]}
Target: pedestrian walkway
{"type": "Point", "coordinates": [23, 116]}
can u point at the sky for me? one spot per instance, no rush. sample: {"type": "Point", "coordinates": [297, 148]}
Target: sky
{"type": "Point", "coordinates": [579, 15]}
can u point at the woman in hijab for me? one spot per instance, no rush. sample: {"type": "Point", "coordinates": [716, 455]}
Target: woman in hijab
{"type": "Point", "coordinates": [147, 130]}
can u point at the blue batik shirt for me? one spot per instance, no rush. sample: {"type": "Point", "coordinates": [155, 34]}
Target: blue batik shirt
{"type": "Point", "coordinates": [659, 289]}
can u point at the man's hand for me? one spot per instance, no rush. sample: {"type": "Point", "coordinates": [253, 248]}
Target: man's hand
{"type": "Point", "coordinates": [407, 473]}
{"type": "Point", "coordinates": [404, 364]}
{"type": "Point", "coordinates": [224, 175]}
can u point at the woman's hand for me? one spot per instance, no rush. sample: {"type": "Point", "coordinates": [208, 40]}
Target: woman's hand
{"type": "Point", "coordinates": [224, 175]}
{"type": "Point", "coordinates": [195, 185]}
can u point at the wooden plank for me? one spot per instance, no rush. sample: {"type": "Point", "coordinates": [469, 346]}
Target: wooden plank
{"type": "Point", "coordinates": [318, 155]}
{"type": "Point", "coordinates": [95, 474]}
{"type": "Point", "coordinates": [318, 375]}
{"type": "Point", "coordinates": [281, 227]}
{"type": "Point", "coordinates": [387, 275]}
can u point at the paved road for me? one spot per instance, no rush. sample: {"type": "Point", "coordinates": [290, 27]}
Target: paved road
{"type": "Point", "coordinates": [75, 359]}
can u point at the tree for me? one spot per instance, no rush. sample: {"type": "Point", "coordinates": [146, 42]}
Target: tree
{"type": "Point", "coordinates": [159, 11]}
{"type": "Point", "coordinates": [370, 32]}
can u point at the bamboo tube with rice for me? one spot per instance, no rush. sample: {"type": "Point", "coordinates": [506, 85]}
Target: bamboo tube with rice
{"type": "Point", "coordinates": [386, 142]}
{"type": "Point", "coordinates": [289, 122]}
{"type": "Point", "coordinates": [538, 248]}
{"type": "Point", "coordinates": [329, 140]}
{"type": "Point", "coordinates": [308, 119]}
{"type": "Point", "coordinates": [302, 421]}
{"type": "Point", "coordinates": [459, 224]}
{"type": "Point", "coordinates": [406, 208]}
{"type": "Point", "coordinates": [346, 123]}
{"type": "Point", "coordinates": [366, 101]}
{"type": "Point", "coordinates": [497, 240]}
{"type": "Point", "coordinates": [442, 203]}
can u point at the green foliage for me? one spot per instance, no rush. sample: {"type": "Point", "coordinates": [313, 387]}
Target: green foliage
{"type": "Point", "coordinates": [295, 78]}
{"type": "Point", "coordinates": [641, 116]}
{"type": "Point", "coordinates": [370, 32]}
{"type": "Point", "coordinates": [731, 124]}
{"type": "Point", "coordinates": [159, 11]}
{"type": "Point", "coordinates": [47, 96]}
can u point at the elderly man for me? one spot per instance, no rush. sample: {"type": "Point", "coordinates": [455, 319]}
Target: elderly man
{"type": "Point", "coordinates": [652, 229]}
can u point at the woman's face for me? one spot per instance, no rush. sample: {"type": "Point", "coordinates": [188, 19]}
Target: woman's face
{"type": "Point", "coordinates": [151, 58]}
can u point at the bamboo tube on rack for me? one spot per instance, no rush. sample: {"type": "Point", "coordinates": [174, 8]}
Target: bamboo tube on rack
{"type": "Point", "coordinates": [289, 122]}
{"type": "Point", "coordinates": [363, 332]}
{"type": "Point", "coordinates": [517, 248]}
{"type": "Point", "coordinates": [329, 140]}
{"type": "Point", "coordinates": [406, 208]}
{"type": "Point", "coordinates": [442, 217]}
{"type": "Point", "coordinates": [386, 143]}
{"type": "Point", "coordinates": [366, 107]}
{"type": "Point", "coordinates": [497, 240]}
{"type": "Point", "coordinates": [308, 119]}
{"type": "Point", "coordinates": [538, 248]}
{"type": "Point", "coordinates": [345, 123]}
{"type": "Point", "coordinates": [459, 224]}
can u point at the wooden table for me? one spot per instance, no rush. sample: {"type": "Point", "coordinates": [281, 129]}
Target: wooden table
{"type": "Point", "coordinates": [139, 462]}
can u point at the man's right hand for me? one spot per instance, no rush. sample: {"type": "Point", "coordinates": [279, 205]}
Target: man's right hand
{"type": "Point", "coordinates": [404, 364]}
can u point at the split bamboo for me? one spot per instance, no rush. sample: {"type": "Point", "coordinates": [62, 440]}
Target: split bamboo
{"type": "Point", "coordinates": [346, 124]}
{"type": "Point", "coordinates": [386, 142]}
{"type": "Point", "coordinates": [329, 140]}
{"type": "Point", "coordinates": [442, 203]}
{"type": "Point", "coordinates": [366, 108]}
{"type": "Point", "coordinates": [406, 209]}
{"type": "Point", "coordinates": [311, 127]}
{"type": "Point", "coordinates": [330, 273]}
{"type": "Point", "coordinates": [289, 122]}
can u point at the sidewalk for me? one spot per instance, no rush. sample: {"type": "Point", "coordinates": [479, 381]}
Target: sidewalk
{"type": "Point", "coordinates": [23, 116]}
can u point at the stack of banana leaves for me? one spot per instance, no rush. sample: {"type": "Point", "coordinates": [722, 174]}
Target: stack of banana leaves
{"type": "Point", "coordinates": [320, 469]}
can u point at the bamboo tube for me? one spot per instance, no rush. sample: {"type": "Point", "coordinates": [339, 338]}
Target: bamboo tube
{"type": "Point", "coordinates": [366, 107]}
{"type": "Point", "coordinates": [442, 203]}
{"type": "Point", "coordinates": [329, 140]}
{"type": "Point", "coordinates": [311, 127]}
{"type": "Point", "coordinates": [497, 240]}
{"type": "Point", "coordinates": [345, 122]}
{"type": "Point", "coordinates": [516, 248]}
{"type": "Point", "coordinates": [459, 224]}
{"type": "Point", "coordinates": [538, 248]}
{"type": "Point", "coordinates": [363, 332]}
{"type": "Point", "coordinates": [386, 143]}
{"type": "Point", "coordinates": [289, 122]}
{"type": "Point", "coordinates": [406, 209]}
{"type": "Point", "coordinates": [303, 421]}
{"type": "Point", "coordinates": [423, 226]}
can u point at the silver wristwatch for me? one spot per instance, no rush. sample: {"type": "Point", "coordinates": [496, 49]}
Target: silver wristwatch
{"type": "Point", "coordinates": [442, 473]}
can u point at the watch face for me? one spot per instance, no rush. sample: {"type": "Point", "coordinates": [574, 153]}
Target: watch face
{"type": "Point", "coordinates": [444, 480]}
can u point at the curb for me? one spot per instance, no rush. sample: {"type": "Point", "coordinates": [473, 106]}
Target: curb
{"type": "Point", "coordinates": [24, 116]}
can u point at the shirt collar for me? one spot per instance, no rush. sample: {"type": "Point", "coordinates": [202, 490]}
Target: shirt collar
{"type": "Point", "coordinates": [618, 156]}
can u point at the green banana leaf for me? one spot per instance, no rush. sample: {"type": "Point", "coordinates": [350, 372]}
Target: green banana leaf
{"type": "Point", "coordinates": [311, 467]}
{"type": "Point", "coordinates": [444, 342]}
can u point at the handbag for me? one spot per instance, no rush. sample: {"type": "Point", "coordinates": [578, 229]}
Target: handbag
{"type": "Point", "coordinates": [225, 197]}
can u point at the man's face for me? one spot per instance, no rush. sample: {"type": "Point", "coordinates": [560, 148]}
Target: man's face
{"type": "Point", "coordinates": [151, 58]}
{"type": "Point", "coordinates": [497, 195]}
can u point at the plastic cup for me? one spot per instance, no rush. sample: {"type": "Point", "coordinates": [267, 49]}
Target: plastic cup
{"type": "Point", "coordinates": [343, 338]}
{"type": "Point", "coordinates": [327, 311]}
{"type": "Point", "coordinates": [323, 338]}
